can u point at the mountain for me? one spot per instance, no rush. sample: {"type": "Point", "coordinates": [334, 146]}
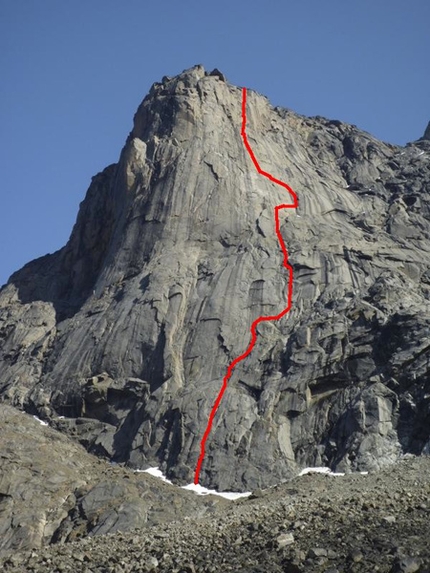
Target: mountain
{"type": "Point", "coordinates": [122, 338]}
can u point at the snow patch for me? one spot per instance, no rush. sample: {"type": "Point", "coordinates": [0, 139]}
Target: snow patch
{"type": "Point", "coordinates": [156, 473]}
{"type": "Point", "coordinates": [320, 470]}
{"type": "Point", "coordinates": [326, 471]}
{"type": "Point", "coordinates": [197, 489]}
{"type": "Point", "coordinates": [200, 490]}
{"type": "Point", "coordinates": [41, 421]}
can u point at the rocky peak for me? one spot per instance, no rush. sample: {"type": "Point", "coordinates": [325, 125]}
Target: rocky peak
{"type": "Point", "coordinates": [163, 106]}
{"type": "Point", "coordinates": [426, 135]}
{"type": "Point", "coordinates": [131, 326]}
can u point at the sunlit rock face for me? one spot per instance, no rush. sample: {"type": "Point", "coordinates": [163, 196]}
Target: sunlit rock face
{"type": "Point", "coordinates": [129, 329]}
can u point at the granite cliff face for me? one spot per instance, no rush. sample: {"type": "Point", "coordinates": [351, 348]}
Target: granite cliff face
{"type": "Point", "coordinates": [128, 330]}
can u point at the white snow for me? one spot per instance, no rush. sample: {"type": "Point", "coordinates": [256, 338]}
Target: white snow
{"type": "Point", "coordinates": [200, 490]}
{"type": "Point", "coordinates": [197, 489]}
{"type": "Point", "coordinates": [232, 495]}
{"type": "Point", "coordinates": [156, 473]}
{"type": "Point", "coordinates": [320, 470]}
{"type": "Point", "coordinates": [327, 471]}
{"type": "Point", "coordinates": [41, 421]}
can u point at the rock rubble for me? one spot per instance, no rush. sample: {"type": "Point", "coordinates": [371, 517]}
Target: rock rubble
{"type": "Point", "coordinates": [315, 523]}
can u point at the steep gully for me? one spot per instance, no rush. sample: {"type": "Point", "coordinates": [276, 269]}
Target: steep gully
{"type": "Point", "coordinates": [260, 319]}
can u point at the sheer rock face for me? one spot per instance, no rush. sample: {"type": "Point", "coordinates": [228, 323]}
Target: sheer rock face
{"type": "Point", "coordinates": [133, 323]}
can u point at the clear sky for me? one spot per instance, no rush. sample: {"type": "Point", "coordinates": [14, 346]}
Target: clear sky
{"type": "Point", "coordinates": [74, 72]}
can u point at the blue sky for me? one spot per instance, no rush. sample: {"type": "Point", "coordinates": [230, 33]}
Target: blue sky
{"type": "Point", "coordinates": [73, 74]}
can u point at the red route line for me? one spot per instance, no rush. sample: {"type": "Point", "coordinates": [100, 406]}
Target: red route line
{"type": "Point", "coordinates": [260, 319]}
